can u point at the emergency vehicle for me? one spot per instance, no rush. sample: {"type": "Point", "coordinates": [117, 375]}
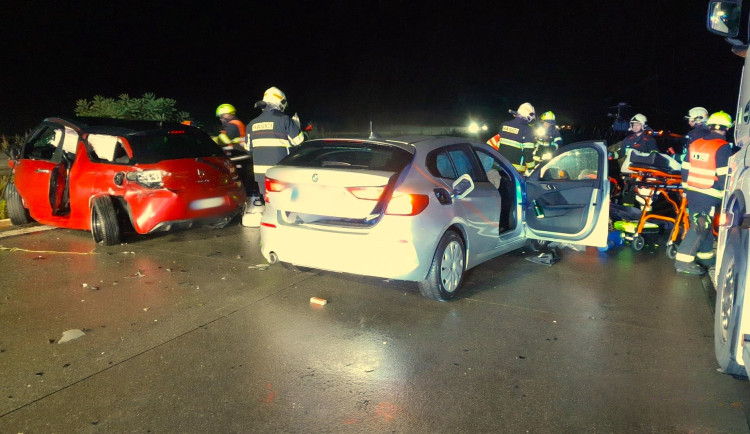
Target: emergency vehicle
{"type": "Point", "coordinates": [732, 316]}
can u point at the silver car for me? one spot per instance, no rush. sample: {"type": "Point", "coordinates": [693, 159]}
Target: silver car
{"type": "Point", "coordinates": [426, 209]}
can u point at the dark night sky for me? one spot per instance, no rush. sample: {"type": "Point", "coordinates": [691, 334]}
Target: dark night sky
{"type": "Point", "coordinates": [348, 62]}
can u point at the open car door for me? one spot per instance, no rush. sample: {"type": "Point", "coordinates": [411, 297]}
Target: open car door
{"type": "Point", "coordinates": [567, 198]}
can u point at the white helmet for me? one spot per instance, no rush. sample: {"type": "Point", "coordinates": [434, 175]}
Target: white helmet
{"type": "Point", "coordinates": [639, 118]}
{"type": "Point", "coordinates": [526, 111]}
{"type": "Point", "coordinates": [274, 96]}
{"type": "Point", "coordinates": [699, 115]}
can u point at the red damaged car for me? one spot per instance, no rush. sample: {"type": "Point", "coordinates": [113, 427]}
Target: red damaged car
{"type": "Point", "coordinates": [110, 176]}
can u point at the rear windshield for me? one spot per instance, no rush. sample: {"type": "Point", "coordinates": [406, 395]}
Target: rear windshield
{"type": "Point", "coordinates": [153, 146]}
{"type": "Point", "coordinates": [349, 155]}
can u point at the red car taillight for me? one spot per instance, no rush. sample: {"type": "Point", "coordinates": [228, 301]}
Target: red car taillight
{"type": "Point", "coordinates": [274, 186]}
{"type": "Point", "coordinates": [407, 204]}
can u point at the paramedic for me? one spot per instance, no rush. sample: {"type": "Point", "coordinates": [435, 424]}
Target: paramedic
{"type": "Point", "coordinates": [232, 135]}
{"type": "Point", "coordinates": [548, 138]}
{"type": "Point", "coordinates": [517, 138]}
{"type": "Point", "coordinates": [271, 134]}
{"type": "Point", "coordinates": [703, 173]}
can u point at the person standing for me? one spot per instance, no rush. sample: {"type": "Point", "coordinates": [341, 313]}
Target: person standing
{"type": "Point", "coordinates": [232, 134]}
{"type": "Point", "coordinates": [704, 172]}
{"type": "Point", "coordinates": [696, 117]}
{"type": "Point", "coordinates": [271, 135]}
{"type": "Point", "coordinates": [638, 139]}
{"type": "Point", "coordinates": [548, 138]}
{"type": "Point", "coordinates": [517, 138]}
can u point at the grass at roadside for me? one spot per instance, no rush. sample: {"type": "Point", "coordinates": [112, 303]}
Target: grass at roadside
{"type": "Point", "coordinates": [3, 181]}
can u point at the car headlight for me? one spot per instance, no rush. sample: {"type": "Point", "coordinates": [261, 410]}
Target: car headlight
{"type": "Point", "coordinates": [147, 178]}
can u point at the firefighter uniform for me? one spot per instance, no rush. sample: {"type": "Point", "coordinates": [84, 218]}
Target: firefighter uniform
{"type": "Point", "coordinates": [517, 143]}
{"type": "Point", "coordinates": [271, 135]}
{"type": "Point", "coordinates": [548, 138]}
{"type": "Point", "coordinates": [703, 175]}
{"type": "Point", "coordinates": [232, 134]}
{"type": "Point", "coordinates": [641, 141]}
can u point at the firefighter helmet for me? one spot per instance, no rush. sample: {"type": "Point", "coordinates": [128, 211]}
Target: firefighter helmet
{"type": "Point", "coordinates": [225, 109]}
{"type": "Point", "coordinates": [697, 115]}
{"type": "Point", "coordinates": [720, 119]}
{"type": "Point", "coordinates": [275, 96]}
{"type": "Point", "coordinates": [548, 117]}
{"type": "Point", "coordinates": [639, 118]}
{"type": "Point", "coordinates": [526, 111]}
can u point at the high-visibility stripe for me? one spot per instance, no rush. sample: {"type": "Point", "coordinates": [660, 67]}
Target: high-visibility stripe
{"type": "Point", "coordinates": [513, 143]}
{"type": "Point", "coordinates": [493, 141]}
{"type": "Point", "coordinates": [706, 172]}
{"type": "Point", "coordinates": [528, 145]}
{"type": "Point", "coordinates": [264, 143]}
{"type": "Point", "coordinates": [722, 171]}
{"type": "Point", "coordinates": [707, 191]}
{"type": "Point", "coordinates": [686, 165]}
{"type": "Point", "coordinates": [684, 258]}
{"type": "Point", "coordinates": [297, 140]}
{"type": "Point", "coordinates": [705, 255]}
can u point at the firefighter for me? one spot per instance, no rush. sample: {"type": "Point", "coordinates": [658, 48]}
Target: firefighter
{"type": "Point", "coordinates": [232, 134]}
{"type": "Point", "coordinates": [548, 138]}
{"type": "Point", "coordinates": [696, 117]}
{"type": "Point", "coordinates": [517, 138]}
{"type": "Point", "coordinates": [703, 173]}
{"type": "Point", "coordinates": [271, 135]}
{"type": "Point", "coordinates": [638, 139]}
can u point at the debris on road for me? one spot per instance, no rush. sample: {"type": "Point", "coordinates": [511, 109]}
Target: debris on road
{"type": "Point", "coordinates": [319, 301]}
{"type": "Point", "coordinates": [259, 267]}
{"type": "Point", "coordinates": [69, 335]}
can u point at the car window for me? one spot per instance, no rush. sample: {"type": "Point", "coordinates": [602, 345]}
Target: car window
{"type": "Point", "coordinates": [349, 155]}
{"type": "Point", "coordinates": [577, 164]}
{"type": "Point", "coordinates": [453, 161]}
{"type": "Point", "coordinates": [150, 147]}
{"type": "Point", "coordinates": [43, 143]}
{"type": "Point", "coordinates": [107, 148]}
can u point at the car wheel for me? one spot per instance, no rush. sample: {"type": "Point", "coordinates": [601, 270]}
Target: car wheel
{"type": "Point", "coordinates": [447, 269]}
{"type": "Point", "coordinates": [671, 251]}
{"type": "Point", "coordinates": [16, 211]}
{"type": "Point", "coordinates": [730, 293]}
{"type": "Point", "coordinates": [638, 243]}
{"type": "Point", "coordinates": [104, 226]}
{"type": "Point", "coordinates": [537, 245]}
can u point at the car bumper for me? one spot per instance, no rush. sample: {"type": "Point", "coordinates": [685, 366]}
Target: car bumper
{"type": "Point", "coordinates": [388, 250]}
{"type": "Point", "coordinates": [163, 210]}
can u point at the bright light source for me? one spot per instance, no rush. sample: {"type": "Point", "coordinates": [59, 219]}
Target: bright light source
{"type": "Point", "coordinates": [484, 127]}
{"type": "Point", "coordinates": [540, 131]}
{"type": "Point", "coordinates": [473, 128]}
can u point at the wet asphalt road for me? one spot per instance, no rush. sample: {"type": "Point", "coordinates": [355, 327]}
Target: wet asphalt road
{"type": "Point", "coordinates": [185, 333]}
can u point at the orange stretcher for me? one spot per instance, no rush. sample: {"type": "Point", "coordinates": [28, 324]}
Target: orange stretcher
{"type": "Point", "coordinates": [649, 182]}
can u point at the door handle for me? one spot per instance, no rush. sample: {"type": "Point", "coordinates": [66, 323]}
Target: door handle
{"type": "Point", "coordinates": [550, 187]}
{"type": "Point", "coordinates": [42, 170]}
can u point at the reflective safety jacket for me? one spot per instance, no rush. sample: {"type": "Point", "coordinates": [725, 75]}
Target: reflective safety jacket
{"type": "Point", "coordinates": [705, 167]}
{"type": "Point", "coordinates": [269, 138]}
{"type": "Point", "coordinates": [517, 143]}
{"type": "Point", "coordinates": [698, 132]}
{"type": "Point", "coordinates": [233, 135]}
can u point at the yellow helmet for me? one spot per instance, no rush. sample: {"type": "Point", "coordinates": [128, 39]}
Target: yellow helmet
{"type": "Point", "coordinates": [548, 117]}
{"type": "Point", "coordinates": [720, 119]}
{"type": "Point", "coordinates": [225, 109]}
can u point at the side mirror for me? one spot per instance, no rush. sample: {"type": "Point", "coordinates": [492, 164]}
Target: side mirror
{"type": "Point", "coordinates": [724, 18]}
{"type": "Point", "coordinates": [462, 186]}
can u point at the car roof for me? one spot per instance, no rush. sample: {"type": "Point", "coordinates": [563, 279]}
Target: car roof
{"type": "Point", "coordinates": [113, 126]}
{"type": "Point", "coordinates": [408, 143]}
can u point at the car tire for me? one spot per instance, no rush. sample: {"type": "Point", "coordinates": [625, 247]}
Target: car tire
{"type": "Point", "coordinates": [18, 214]}
{"type": "Point", "coordinates": [104, 226]}
{"type": "Point", "coordinates": [730, 294]}
{"type": "Point", "coordinates": [447, 269]}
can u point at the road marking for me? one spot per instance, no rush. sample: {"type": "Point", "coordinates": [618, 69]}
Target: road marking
{"type": "Point", "coordinates": [21, 231]}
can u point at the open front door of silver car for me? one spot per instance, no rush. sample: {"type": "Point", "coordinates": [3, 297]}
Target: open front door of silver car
{"type": "Point", "coordinates": [567, 198]}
